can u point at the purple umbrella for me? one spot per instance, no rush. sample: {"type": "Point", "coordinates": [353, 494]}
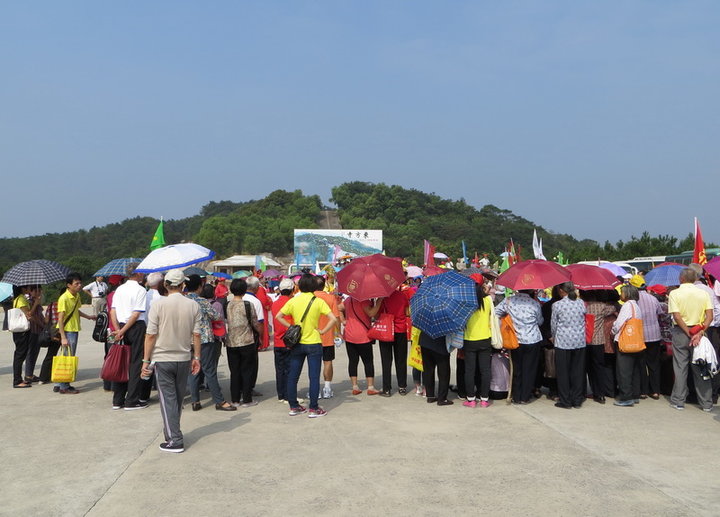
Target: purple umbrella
{"type": "Point", "coordinates": [613, 268]}
{"type": "Point", "coordinates": [271, 273]}
{"type": "Point", "coordinates": [713, 267]}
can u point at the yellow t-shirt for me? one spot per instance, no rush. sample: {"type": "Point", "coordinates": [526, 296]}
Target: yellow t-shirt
{"type": "Point", "coordinates": [21, 302]}
{"type": "Point", "coordinates": [690, 302]}
{"type": "Point", "coordinates": [478, 326]}
{"type": "Point", "coordinates": [296, 307]}
{"type": "Point", "coordinates": [66, 303]}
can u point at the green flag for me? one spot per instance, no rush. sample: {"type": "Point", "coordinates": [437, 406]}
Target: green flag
{"type": "Point", "coordinates": [158, 240]}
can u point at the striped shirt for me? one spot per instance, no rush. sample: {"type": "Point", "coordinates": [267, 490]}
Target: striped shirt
{"type": "Point", "coordinates": [650, 312]}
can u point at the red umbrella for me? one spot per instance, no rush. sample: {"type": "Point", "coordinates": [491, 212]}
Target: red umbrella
{"type": "Point", "coordinates": [533, 274]}
{"type": "Point", "coordinates": [589, 278]}
{"type": "Point", "coordinates": [374, 276]}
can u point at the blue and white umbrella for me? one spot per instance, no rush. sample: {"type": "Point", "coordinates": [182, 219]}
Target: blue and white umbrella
{"type": "Point", "coordinates": [117, 267]}
{"type": "Point", "coordinates": [443, 304]}
{"type": "Point", "coordinates": [174, 256]}
{"type": "Point", "coordinates": [664, 275]}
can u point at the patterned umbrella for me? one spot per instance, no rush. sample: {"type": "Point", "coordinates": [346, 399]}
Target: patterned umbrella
{"type": "Point", "coordinates": [174, 256]}
{"type": "Point", "coordinates": [117, 267]}
{"type": "Point", "coordinates": [241, 274]}
{"type": "Point", "coordinates": [413, 271]}
{"type": "Point", "coordinates": [443, 304]}
{"type": "Point", "coordinates": [226, 276]}
{"type": "Point", "coordinates": [35, 272]}
{"type": "Point", "coordinates": [664, 275]}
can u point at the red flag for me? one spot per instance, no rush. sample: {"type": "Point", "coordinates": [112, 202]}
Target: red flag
{"type": "Point", "coordinates": [476, 260]}
{"type": "Point", "coordinates": [699, 256]}
{"type": "Point", "coordinates": [429, 254]}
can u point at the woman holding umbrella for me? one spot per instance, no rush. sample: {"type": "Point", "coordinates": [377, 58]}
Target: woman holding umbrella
{"type": "Point", "coordinates": [22, 339]}
{"type": "Point", "coordinates": [568, 334]}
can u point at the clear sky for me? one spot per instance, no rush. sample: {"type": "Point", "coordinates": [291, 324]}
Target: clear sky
{"type": "Point", "coordinates": [599, 119]}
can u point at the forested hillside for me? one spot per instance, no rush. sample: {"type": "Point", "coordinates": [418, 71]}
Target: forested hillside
{"type": "Point", "coordinates": [406, 216]}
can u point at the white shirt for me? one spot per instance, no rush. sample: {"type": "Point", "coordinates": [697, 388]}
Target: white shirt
{"type": "Point", "coordinates": [256, 303]}
{"type": "Point", "coordinates": [130, 297]}
{"type": "Point", "coordinates": [97, 289]}
{"type": "Point", "coordinates": [153, 295]}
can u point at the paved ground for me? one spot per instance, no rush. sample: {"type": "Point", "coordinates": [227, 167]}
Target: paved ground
{"type": "Point", "coordinates": [73, 455]}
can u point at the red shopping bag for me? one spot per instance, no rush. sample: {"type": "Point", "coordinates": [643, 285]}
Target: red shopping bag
{"type": "Point", "coordinates": [384, 328]}
{"type": "Point", "coordinates": [117, 364]}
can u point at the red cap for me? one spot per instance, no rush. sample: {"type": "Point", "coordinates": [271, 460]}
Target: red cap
{"type": "Point", "coordinates": [657, 289]}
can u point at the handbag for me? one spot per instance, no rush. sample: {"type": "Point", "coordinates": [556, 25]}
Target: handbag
{"type": "Point", "coordinates": [507, 331]}
{"type": "Point", "coordinates": [64, 366]}
{"type": "Point", "coordinates": [17, 321]}
{"type": "Point", "coordinates": [47, 336]}
{"type": "Point", "coordinates": [383, 329]}
{"type": "Point", "coordinates": [455, 340]}
{"type": "Point", "coordinates": [294, 332]}
{"type": "Point", "coordinates": [415, 357]}
{"type": "Point", "coordinates": [116, 367]}
{"type": "Point", "coordinates": [631, 339]}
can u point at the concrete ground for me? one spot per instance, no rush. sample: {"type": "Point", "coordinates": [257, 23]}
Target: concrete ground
{"type": "Point", "coordinates": [72, 455]}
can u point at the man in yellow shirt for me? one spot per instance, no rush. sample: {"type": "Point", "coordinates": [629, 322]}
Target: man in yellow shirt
{"type": "Point", "coordinates": [68, 324]}
{"type": "Point", "coordinates": [310, 344]}
{"type": "Point", "coordinates": [691, 308]}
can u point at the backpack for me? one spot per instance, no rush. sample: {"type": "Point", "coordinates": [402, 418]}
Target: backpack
{"type": "Point", "coordinates": [100, 332]}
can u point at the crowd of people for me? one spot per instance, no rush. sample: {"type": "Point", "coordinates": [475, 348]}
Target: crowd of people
{"type": "Point", "coordinates": [177, 326]}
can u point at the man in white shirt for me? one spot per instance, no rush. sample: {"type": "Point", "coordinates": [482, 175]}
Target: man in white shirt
{"type": "Point", "coordinates": [253, 284]}
{"type": "Point", "coordinates": [128, 316]}
{"type": "Point", "coordinates": [98, 292]}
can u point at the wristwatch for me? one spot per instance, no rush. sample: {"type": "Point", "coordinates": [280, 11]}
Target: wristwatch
{"type": "Point", "coordinates": [196, 358]}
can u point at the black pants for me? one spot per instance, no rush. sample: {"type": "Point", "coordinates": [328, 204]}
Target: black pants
{"type": "Point", "coordinates": [431, 361]}
{"type": "Point", "coordinates": [629, 372]}
{"type": "Point", "coordinates": [525, 363]}
{"type": "Point", "coordinates": [46, 368]}
{"type": "Point", "coordinates": [242, 362]}
{"type": "Point", "coordinates": [131, 392]}
{"type": "Point", "coordinates": [478, 355]}
{"type": "Point", "coordinates": [570, 372]}
{"type": "Point", "coordinates": [713, 334]}
{"type": "Point", "coordinates": [22, 345]}
{"type": "Point", "coordinates": [397, 348]}
{"type": "Point", "coordinates": [282, 367]}
{"type": "Point", "coordinates": [600, 370]}
{"type": "Point", "coordinates": [357, 351]}
{"type": "Point", "coordinates": [650, 368]}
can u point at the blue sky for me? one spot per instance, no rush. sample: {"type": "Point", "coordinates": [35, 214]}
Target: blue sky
{"type": "Point", "coordinates": [591, 118]}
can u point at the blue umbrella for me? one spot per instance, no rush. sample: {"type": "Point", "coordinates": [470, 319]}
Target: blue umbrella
{"type": "Point", "coordinates": [117, 267]}
{"type": "Point", "coordinates": [192, 270]}
{"type": "Point", "coordinates": [5, 290]}
{"type": "Point", "coordinates": [443, 304]}
{"type": "Point", "coordinates": [226, 276]}
{"type": "Point", "coordinates": [664, 275]}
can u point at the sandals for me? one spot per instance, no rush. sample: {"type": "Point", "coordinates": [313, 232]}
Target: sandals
{"type": "Point", "coordinates": [356, 390]}
{"type": "Point", "coordinates": [223, 407]}
{"type": "Point", "coordinates": [22, 385]}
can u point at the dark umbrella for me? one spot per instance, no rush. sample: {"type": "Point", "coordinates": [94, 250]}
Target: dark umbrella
{"type": "Point", "coordinates": [36, 272]}
{"type": "Point", "coordinates": [443, 304]}
{"type": "Point", "coordinates": [192, 270]}
{"type": "Point", "coordinates": [375, 276]}
{"type": "Point", "coordinates": [534, 274]}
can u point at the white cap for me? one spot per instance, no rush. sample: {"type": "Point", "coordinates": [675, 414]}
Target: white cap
{"type": "Point", "coordinates": [175, 277]}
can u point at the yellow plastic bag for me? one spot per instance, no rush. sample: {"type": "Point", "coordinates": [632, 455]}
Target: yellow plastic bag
{"type": "Point", "coordinates": [64, 366]}
{"type": "Point", "coordinates": [415, 356]}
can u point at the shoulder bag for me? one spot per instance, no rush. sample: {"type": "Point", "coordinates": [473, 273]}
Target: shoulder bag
{"type": "Point", "coordinates": [631, 339]}
{"type": "Point", "coordinates": [294, 332]}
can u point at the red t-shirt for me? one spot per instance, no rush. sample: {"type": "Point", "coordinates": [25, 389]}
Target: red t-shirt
{"type": "Point", "coordinates": [221, 290]}
{"type": "Point", "coordinates": [357, 322]}
{"type": "Point", "coordinates": [279, 327]}
{"type": "Point", "coordinates": [397, 304]}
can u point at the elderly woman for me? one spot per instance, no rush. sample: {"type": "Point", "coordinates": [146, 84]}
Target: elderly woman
{"type": "Point", "coordinates": [568, 334]}
{"type": "Point", "coordinates": [628, 366]}
{"type": "Point", "coordinates": [527, 317]}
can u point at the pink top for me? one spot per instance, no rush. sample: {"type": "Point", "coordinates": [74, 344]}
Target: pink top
{"type": "Point", "coordinates": [357, 322]}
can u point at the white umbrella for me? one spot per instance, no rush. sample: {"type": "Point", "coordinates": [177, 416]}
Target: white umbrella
{"type": "Point", "coordinates": [439, 255]}
{"type": "Point", "coordinates": [174, 256]}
